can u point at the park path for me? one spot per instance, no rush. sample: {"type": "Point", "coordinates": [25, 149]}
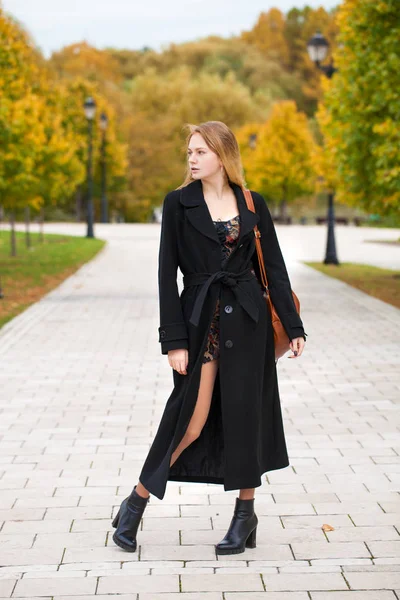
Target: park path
{"type": "Point", "coordinates": [83, 385]}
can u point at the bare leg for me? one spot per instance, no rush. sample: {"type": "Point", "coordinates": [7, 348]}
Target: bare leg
{"type": "Point", "coordinates": [200, 413]}
{"type": "Point", "coordinates": [246, 493]}
{"type": "Point", "coordinates": [142, 491]}
{"type": "Point", "coordinates": [199, 417]}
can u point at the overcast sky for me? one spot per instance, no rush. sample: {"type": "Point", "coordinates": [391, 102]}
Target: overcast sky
{"type": "Point", "coordinates": [136, 23]}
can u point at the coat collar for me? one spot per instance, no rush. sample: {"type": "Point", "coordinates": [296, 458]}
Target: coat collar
{"type": "Point", "coordinates": [192, 198]}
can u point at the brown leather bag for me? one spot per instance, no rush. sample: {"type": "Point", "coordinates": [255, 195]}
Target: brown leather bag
{"type": "Point", "coordinates": [281, 340]}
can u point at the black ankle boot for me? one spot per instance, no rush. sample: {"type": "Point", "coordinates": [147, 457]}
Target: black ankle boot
{"type": "Point", "coordinates": [242, 530]}
{"type": "Point", "coordinates": [128, 519]}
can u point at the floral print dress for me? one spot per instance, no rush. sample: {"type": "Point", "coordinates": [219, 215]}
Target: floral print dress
{"type": "Point", "coordinates": [228, 233]}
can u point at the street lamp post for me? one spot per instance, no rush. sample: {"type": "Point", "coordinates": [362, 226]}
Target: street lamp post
{"type": "Point", "coordinates": [90, 111]}
{"type": "Point", "coordinates": [317, 48]}
{"type": "Point", "coordinates": [104, 204]}
{"type": "Point", "coordinates": [253, 140]}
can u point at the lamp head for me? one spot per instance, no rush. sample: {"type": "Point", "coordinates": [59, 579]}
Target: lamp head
{"type": "Point", "coordinates": [103, 121]}
{"type": "Point", "coordinates": [317, 47]}
{"type": "Point", "coordinates": [89, 108]}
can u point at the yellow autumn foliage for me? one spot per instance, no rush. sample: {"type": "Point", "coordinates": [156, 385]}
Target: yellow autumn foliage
{"type": "Point", "coordinates": [281, 165]}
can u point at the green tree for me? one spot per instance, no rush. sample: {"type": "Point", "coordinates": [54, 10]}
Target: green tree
{"type": "Point", "coordinates": [73, 93]}
{"type": "Point", "coordinates": [360, 116]}
{"type": "Point", "coordinates": [20, 132]}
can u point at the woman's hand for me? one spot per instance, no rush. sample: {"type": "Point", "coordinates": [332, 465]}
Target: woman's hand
{"type": "Point", "coordinates": [296, 345]}
{"type": "Point", "coordinates": [178, 360]}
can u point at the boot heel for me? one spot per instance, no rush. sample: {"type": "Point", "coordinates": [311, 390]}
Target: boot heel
{"type": "Point", "coordinates": [116, 520]}
{"type": "Point", "coordinates": [251, 540]}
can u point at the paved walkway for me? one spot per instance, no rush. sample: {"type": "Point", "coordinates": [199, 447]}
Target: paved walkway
{"type": "Point", "coordinates": [83, 385]}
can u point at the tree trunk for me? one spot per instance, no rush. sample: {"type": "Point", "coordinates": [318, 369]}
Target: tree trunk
{"type": "Point", "coordinates": [41, 221]}
{"type": "Point", "coordinates": [78, 204]}
{"type": "Point", "coordinates": [27, 222]}
{"type": "Point", "coordinates": [283, 210]}
{"type": "Point", "coordinates": [13, 236]}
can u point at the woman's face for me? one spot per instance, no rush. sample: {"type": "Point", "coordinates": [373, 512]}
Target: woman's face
{"type": "Point", "coordinates": [202, 160]}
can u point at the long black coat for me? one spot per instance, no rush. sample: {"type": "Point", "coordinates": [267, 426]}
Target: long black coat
{"type": "Point", "coordinates": [243, 436]}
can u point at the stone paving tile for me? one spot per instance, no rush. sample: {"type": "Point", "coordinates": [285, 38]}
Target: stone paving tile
{"type": "Point", "coordinates": [78, 422]}
{"type": "Point", "coordinates": [179, 523]}
{"type": "Point", "coordinates": [267, 596]}
{"type": "Point", "coordinates": [354, 595]}
{"type": "Point", "coordinates": [315, 522]}
{"type": "Point", "coordinates": [310, 550]}
{"type": "Point", "coordinates": [305, 581]}
{"type": "Point", "coordinates": [98, 597]}
{"type": "Point", "coordinates": [282, 536]}
{"type": "Point", "coordinates": [6, 587]}
{"type": "Point", "coordinates": [197, 552]}
{"type": "Point", "coordinates": [70, 540]}
{"type": "Point", "coordinates": [363, 533]}
{"type": "Point", "coordinates": [88, 566]}
{"type": "Point", "coordinates": [323, 562]}
{"type": "Point", "coordinates": [374, 581]}
{"type": "Point", "coordinates": [107, 554]}
{"type": "Point", "coordinates": [86, 512]}
{"type": "Point", "coordinates": [27, 527]}
{"type": "Point", "coordinates": [22, 556]}
{"type": "Point", "coordinates": [54, 574]}
{"type": "Point", "coordinates": [139, 583]}
{"type": "Point", "coordinates": [42, 587]}
{"type": "Point", "coordinates": [81, 525]}
{"type": "Point", "coordinates": [182, 596]}
{"type": "Point", "coordinates": [373, 520]}
{"type": "Point", "coordinates": [251, 582]}
{"type": "Point", "coordinates": [16, 540]}
{"type": "Point", "coordinates": [384, 549]}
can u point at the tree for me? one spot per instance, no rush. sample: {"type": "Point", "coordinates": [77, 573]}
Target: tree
{"type": "Point", "coordinates": [360, 115]}
{"type": "Point", "coordinates": [268, 34]}
{"type": "Point", "coordinates": [281, 164]}
{"type": "Point", "coordinates": [73, 93]}
{"type": "Point", "coordinates": [300, 26]}
{"type": "Point", "coordinates": [160, 106]}
{"type": "Point", "coordinates": [81, 60]}
{"type": "Point", "coordinates": [20, 131]}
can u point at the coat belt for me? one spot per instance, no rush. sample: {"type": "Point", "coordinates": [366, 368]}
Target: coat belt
{"type": "Point", "coordinates": [232, 280]}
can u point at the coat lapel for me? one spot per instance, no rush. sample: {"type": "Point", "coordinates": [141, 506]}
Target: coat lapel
{"type": "Point", "coordinates": [197, 212]}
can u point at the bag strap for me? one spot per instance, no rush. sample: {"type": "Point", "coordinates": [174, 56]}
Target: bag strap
{"type": "Point", "coordinates": [250, 206]}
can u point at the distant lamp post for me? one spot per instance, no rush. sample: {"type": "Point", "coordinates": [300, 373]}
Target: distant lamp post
{"type": "Point", "coordinates": [104, 206]}
{"type": "Point", "coordinates": [317, 48]}
{"type": "Point", "coordinates": [253, 141]}
{"type": "Point", "coordinates": [90, 111]}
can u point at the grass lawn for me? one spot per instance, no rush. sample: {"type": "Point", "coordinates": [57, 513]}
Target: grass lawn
{"type": "Point", "coordinates": [381, 283]}
{"type": "Point", "coordinates": [393, 242]}
{"type": "Point", "coordinates": [27, 277]}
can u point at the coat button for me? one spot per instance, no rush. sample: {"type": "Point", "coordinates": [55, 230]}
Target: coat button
{"type": "Point", "coordinates": [228, 344]}
{"type": "Point", "coordinates": [228, 308]}
{"type": "Point", "coordinates": [162, 333]}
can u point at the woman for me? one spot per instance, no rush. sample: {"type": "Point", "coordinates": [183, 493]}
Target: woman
{"type": "Point", "coordinates": [222, 422]}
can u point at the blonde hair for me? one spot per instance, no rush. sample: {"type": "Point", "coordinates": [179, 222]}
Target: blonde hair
{"type": "Point", "coordinates": [221, 140]}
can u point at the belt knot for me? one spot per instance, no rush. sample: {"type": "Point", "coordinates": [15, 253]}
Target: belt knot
{"type": "Point", "coordinates": [228, 278]}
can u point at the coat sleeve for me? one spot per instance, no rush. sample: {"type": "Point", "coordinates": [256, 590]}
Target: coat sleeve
{"type": "Point", "coordinates": [172, 330]}
{"type": "Point", "coordinates": [278, 279]}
